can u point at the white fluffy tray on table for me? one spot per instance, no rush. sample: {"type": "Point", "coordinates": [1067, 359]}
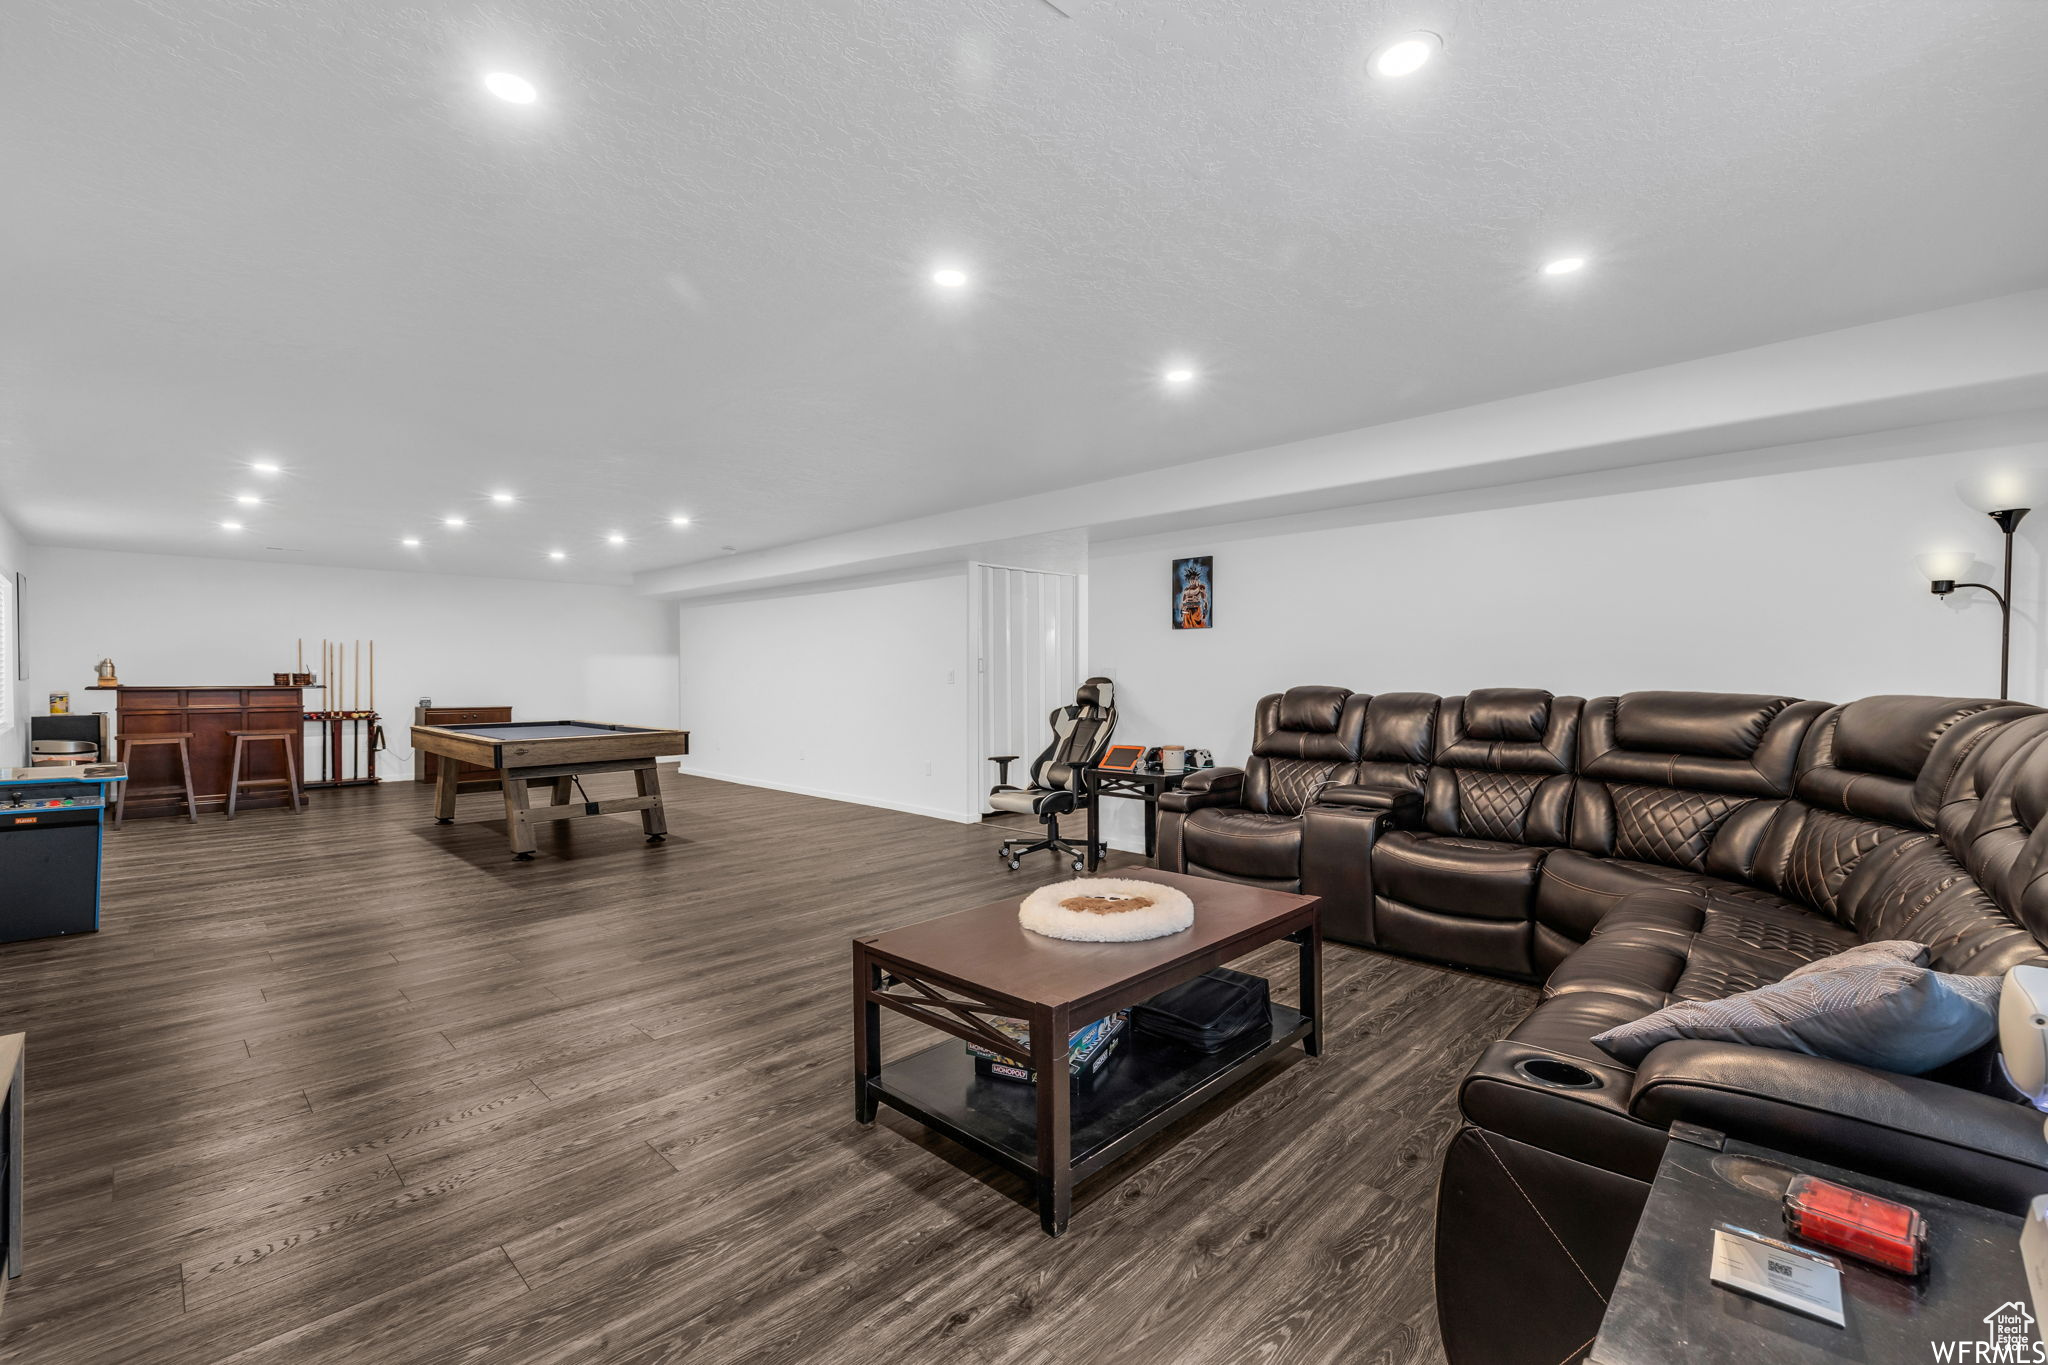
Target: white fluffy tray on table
{"type": "Point", "coordinates": [1106, 910]}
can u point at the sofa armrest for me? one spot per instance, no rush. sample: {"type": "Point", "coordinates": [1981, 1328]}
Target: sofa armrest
{"type": "Point", "coordinates": [1339, 831]}
{"type": "Point", "coordinates": [1209, 787]}
{"type": "Point", "coordinates": [1204, 789]}
{"type": "Point", "coordinates": [1402, 806]}
{"type": "Point", "coordinates": [1922, 1133]}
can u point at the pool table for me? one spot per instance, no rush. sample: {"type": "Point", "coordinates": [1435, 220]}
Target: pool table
{"type": "Point", "coordinates": [527, 753]}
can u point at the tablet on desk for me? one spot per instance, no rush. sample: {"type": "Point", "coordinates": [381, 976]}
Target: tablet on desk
{"type": "Point", "coordinates": [1122, 758]}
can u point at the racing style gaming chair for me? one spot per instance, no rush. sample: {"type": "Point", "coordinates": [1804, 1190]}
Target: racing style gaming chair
{"type": "Point", "coordinates": [1079, 735]}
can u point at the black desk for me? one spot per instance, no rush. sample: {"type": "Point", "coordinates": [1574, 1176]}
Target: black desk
{"type": "Point", "coordinates": [1143, 785]}
{"type": "Point", "coordinates": [1664, 1308]}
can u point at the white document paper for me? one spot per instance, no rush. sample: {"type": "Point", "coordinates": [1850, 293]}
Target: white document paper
{"type": "Point", "coordinates": [1776, 1272]}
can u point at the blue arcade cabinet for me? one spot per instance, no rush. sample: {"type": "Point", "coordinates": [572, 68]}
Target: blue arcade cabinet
{"type": "Point", "coordinates": [52, 825]}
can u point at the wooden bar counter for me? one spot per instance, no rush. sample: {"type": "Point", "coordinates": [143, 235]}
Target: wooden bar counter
{"type": "Point", "coordinates": [211, 715]}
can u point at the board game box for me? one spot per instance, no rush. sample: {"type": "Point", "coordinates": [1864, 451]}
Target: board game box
{"type": "Point", "coordinates": [1088, 1049]}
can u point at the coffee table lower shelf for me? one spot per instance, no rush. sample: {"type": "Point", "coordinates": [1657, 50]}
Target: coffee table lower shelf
{"type": "Point", "coordinates": [1146, 1086]}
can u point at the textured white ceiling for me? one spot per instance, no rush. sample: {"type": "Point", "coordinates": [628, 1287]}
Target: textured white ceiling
{"type": "Point", "coordinates": [693, 277]}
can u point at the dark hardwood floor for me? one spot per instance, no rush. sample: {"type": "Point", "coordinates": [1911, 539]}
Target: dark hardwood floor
{"type": "Point", "coordinates": [350, 1086]}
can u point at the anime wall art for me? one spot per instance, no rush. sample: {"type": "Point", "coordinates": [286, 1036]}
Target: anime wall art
{"type": "Point", "coordinates": [1194, 593]}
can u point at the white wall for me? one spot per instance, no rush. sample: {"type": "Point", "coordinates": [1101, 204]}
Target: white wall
{"type": "Point", "coordinates": [856, 692]}
{"type": "Point", "coordinates": [14, 558]}
{"type": "Point", "coordinates": [1800, 583]}
{"type": "Point", "coordinates": [577, 651]}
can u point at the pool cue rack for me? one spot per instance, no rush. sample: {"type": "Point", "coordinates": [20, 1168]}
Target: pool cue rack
{"type": "Point", "coordinates": [351, 733]}
{"type": "Point", "coordinates": [348, 742]}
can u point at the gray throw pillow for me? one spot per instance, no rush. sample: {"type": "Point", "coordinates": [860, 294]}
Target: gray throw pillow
{"type": "Point", "coordinates": [1883, 953]}
{"type": "Point", "coordinates": [1893, 1017]}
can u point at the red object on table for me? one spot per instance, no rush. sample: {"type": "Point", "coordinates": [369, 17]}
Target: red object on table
{"type": "Point", "coordinates": [1882, 1232]}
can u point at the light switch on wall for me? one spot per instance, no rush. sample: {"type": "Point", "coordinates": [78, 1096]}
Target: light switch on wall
{"type": "Point", "coordinates": [949, 677]}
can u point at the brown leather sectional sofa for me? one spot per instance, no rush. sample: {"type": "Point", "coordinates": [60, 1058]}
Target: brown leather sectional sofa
{"type": "Point", "coordinates": [1628, 852]}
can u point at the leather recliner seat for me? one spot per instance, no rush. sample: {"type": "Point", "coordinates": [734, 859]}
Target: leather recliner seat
{"type": "Point", "coordinates": [1497, 798]}
{"type": "Point", "coordinates": [1850, 859]}
{"type": "Point", "coordinates": [1688, 847]}
{"type": "Point", "coordinates": [1247, 827]}
{"type": "Point", "coordinates": [1670, 789]}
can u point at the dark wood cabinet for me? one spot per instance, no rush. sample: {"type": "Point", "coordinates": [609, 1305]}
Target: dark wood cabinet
{"type": "Point", "coordinates": [426, 767]}
{"type": "Point", "coordinates": [211, 715]}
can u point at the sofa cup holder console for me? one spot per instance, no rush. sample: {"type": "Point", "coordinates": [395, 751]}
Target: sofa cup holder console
{"type": "Point", "coordinates": [1557, 1073]}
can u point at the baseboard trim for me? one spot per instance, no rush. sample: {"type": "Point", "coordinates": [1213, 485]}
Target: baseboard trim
{"type": "Point", "coordinates": [908, 808]}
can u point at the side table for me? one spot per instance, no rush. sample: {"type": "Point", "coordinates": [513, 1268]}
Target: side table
{"type": "Point", "coordinates": [1144, 784]}
{"type": "Point", "coordinates": [1665, 1310]}
{"type": "Point", "coordinates": [12, 1046]}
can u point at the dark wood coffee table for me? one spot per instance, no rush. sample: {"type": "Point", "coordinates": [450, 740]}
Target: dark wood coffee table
{"type": "Point", "coordinates": [953, 972]}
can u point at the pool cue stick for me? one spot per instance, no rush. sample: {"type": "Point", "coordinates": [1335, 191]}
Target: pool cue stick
{"type": "Point", "coordinates": [299, 654]}
{"type": "Point", "coordinates": [341, 685]}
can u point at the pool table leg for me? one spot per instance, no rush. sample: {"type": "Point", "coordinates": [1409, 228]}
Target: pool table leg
{"type": "Point", "coordinates": [517, 826]}
{"type": "Point", "coordinates": [565, 787]}
{"type": "Point", "coordinates": [445, 781]}
{"type": "Point", "coordinates": [653, 820]}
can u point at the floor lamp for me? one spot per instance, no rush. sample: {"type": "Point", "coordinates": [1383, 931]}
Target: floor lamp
{"type": "Point", "coordinates": [2006, 498]}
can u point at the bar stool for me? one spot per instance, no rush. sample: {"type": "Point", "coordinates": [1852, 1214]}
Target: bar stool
{"type": "Point", "coordinates": [290, 740]}
{"type": "Point", "coordinates": [129, 744]}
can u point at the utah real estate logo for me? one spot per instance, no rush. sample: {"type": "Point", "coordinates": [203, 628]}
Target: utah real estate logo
{"type": "Point", "coordinates": [2008, 1336]}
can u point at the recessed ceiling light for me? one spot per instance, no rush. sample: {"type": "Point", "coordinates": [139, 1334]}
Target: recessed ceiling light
{"type": "Point", "coordinates": [679, 521]}
{"type": "Point", "coordinates": [1405, 55]}
{"type": "Point", "coordinates": [1564, 265]}
{"type": "Point", "coordinates": [454, 523]}
{"type": "Point", "coordinates": [949, 279]}
{"type": "Point", "coordinates": [411, 542]}
{"type": "Point", "coordinates": [264, 466]}
{"type": "Point", "coordinates": [1180, 374]}
{"type": "Point", "coordinates": [231, 526]}
{"type": "Point", "coordinates": [510, 88]}
{"type": "Point", "coordinates": [558, 554]}
{"type": "Point", "coordinates": [503, 499]}
{"type": "Point", "coordinates": [615, 538]}
{"type": "Point", "coordinates": [247, 499]}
